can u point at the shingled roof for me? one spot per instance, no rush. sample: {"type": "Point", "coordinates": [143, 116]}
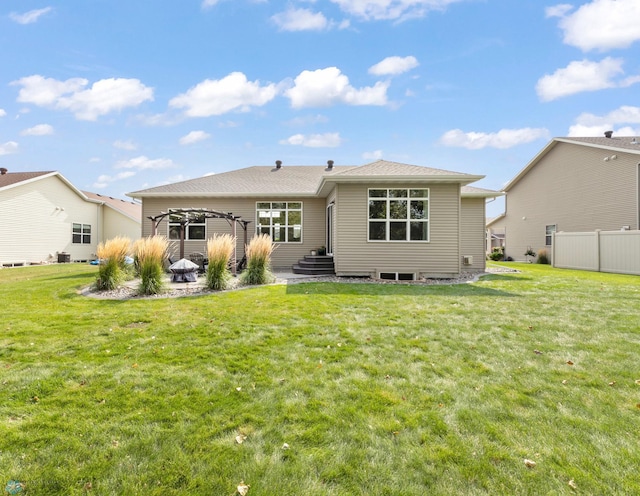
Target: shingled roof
{"type": "Point", "coordinates": [14, 178]}
{"type": "Point", "coordinates": [130, 209]}
{"type": "Point", "coordinates": [296, 180]}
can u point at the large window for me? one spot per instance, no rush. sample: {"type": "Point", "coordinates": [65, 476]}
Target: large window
{"type": "Point", "coordinates": [195, 228]}
{"type": "Point", "coordinates": [398, 215]}
{"type": "Point", "coordinates": [81, 234]}
{"type": "Point", "coordinates": [549, 230]}
{"type": "Point", "coordinates": [280, 220]}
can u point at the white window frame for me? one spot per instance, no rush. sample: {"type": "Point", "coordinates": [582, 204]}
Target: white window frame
{"type": "Point", "coordinates": [190, 224]}
{"type": "Point", "coordinates": [84, 233]}
{"type": "Point", "coordinates": [548, 233]}
{"type": "Point", "coordinates": [407, 219]}
{"type": "Point", "coordinates": [272, 212]}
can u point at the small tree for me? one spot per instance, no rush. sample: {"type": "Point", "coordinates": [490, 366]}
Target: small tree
{"type": "Point", "coordinates": [111, 257]}
{"type": "Point", "coordinates": [497, 254]}
{"type": "Point", "coordinates": [219, 251]}
{"type": "Point", "coordinates": [150, 254]}
{"type": "Point", "coordinates": [258, 252]}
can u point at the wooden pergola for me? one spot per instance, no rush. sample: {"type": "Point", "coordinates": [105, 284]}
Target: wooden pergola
{"type": "Point", "coordinates": [185, 216]}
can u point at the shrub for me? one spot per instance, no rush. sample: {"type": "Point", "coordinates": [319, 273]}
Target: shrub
{"type": "Point", "coordinates": [543, 256]}
{"type": "Point", "coordinates": [111, 255]}
{"type": "Point", "coordinates": [258, 252]}
{"type": "Point", "coordinates": [219, 251]}
{"type": "Point", "coordinates": [497, 254]}
{"type": "Point", "coordinates": [150, 254]}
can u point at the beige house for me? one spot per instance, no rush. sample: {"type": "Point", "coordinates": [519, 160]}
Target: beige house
{"type": "Point", "coordinates": [382, 219]}
{"type": "Point", "coordinates": [572, 185]}
{"type": "Point", "coordinates": [45, 218]}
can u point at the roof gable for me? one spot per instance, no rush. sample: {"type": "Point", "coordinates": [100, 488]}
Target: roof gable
{"type": "Point", "coordinates": [628, 144]}
{"type": "Point", "coordinates": [16, 178]}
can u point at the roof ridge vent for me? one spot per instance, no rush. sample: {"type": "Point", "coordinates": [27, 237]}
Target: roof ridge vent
{"type": "Point", "coordinates": [608, 134]}
{"type": "Point", "coordinates": [329, 164]}
{"type": "Point", "coordinates": [278, 164]}
{"type": "Point", "coordinates": [3, 170]}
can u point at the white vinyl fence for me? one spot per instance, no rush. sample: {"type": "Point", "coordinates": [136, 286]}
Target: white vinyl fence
{"type": "Point", "coordinates": [602, 251]}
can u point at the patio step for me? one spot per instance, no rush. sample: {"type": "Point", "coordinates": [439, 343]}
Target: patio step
{"type": "Point", "coordinates": [315, 265]}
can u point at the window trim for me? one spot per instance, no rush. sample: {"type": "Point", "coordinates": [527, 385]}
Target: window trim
{"type": "Point", "coordinates": [548, 233]}
{"type": "Point", "coordinates": [186, 231]}
{"type": "Point", "coordinates": [286, 225]}
{"type": "Point", "coordinates": [408, 220]}
{"type": "Point", "coordinates": [85, 235]}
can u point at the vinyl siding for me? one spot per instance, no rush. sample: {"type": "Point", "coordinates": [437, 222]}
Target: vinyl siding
{"type": "Point", "coordinates": [355, 255]}
{"type": "Point", "coordinates": [575, 189]}
{"type": "Point", "coordinates": [34, 229]}
{"type": "Point", "coordinates": [285, 254]}
{"type": "Point", "coordinates": [472, 233]}
{"type": "Point", "coordinates": [115, 224]}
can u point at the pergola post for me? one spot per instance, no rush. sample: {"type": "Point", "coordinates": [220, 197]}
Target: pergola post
{"type": "Point", "coordinates": [234, 268]}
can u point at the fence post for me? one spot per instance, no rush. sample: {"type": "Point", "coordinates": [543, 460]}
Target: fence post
{"type": "Point", "coordinates": [598, 249]}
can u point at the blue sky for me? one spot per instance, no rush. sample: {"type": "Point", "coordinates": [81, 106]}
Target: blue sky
{"type": "Point", "coordinates": [123, 95]}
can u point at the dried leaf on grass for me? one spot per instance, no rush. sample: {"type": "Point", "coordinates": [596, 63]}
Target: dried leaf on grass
{"type": "Point", "coordinates": [240, 438]}
{"type": "Point", "coordinates": [572, 484]}
{"type": "Point", "coordinates": [529, 463]}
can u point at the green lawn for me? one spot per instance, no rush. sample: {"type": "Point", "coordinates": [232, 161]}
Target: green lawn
{"type": "Point", "coordinates": [375, 389]}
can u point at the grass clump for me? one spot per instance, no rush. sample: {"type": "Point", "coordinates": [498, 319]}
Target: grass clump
{"type": "Point", "coordinates": [543, 256]}
{"type": "Point", "coordinates": [219, 251]}
{"type": "Point", "coordinates": [150, 254]}
{"type": "Point", "coordinates": [259, 252]}
{"type": "Point", "coordinates": [112, 269]}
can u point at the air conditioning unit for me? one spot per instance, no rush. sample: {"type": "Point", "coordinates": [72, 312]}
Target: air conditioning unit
{"type": "Point", "coordinates": [467, 260]}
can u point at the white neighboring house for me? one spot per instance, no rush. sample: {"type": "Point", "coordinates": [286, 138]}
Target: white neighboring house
{"type": "Point", "coordinates": [45, 218]}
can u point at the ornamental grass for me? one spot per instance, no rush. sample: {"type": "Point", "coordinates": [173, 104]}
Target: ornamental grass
{"type": "Point", "coordinates": [258, 252]}
{"type": "Point", "coordinates": [219, 251]}
{"type": "Point", "coordinates": [112, 270]}
{"type": "Point", "coordinates": [150, 254]}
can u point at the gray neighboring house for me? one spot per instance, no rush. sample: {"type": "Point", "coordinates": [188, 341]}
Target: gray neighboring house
{"type": "Point", "coordinates": [45, 218]}
{"type": "Point", "coordinates": [572, 185]}
{"type": "Point", "coordinates": [383, 219]}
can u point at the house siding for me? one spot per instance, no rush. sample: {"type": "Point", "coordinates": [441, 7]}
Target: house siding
{"type": "Point", "coordinates": [575, 189]}
{"type": "Point", "coordinates": [33, 228]}
{"type": "Point", "coordinates": [472, 233]}
{"type": "Point", "coordinates": [285, 254]}
{"type": "Point", "coordinates": [115, 224]}
{"type": "Point", "coordinates": [355, 255]}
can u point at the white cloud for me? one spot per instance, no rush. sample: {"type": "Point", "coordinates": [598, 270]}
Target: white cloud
{"type": "Point", "coordinates": [125, 145]}
{"type": "Point", "coordinates": [2, 112]}
{"type": "Point", "coordinates": [194, 137]}
{"type": "Point", "coordinates": [206, 4]}
{"type": "Point", "coordinates": [505, 138]}
{"type": "Point", "coordinates": [143, 163]}
{"type": "Point", "coordinates": [325, 87]}
{"type": "Point", "coordinates": [103, 97]}
{"type": "Point", "coordinates": [579, 76]}
{"type": "Point", "coordinates": [104, 180]}
{"type": "Point", "coordinates": [327, 140]}
{"type": "Point", "coordinates": [219, 96]}
{"type": "Point", "coordinates": [602, 25]}
{"type": "Point", "coordinates": [39, 130]}
{"type": "Point", "coordinates": [391, 9]}
{"type": "Point", "coordinates": [375, 155]}
{"type": "Point", "coordinates": [8, 148]}
{"type": "Point", "coordinates": [394, 65]}
{"type": "Point", "coordinates": [29, 17]}
{"type": "Point", "coordinates": [558, 10]}
{"type": "Point", "coordinates": [300, 20]}
{"type": "Point", "coordinates": [308, 120]}
{"type": "Point", "coordinates": [588, 124]}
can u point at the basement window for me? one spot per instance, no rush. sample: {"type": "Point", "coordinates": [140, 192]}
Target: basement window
{"type": "Point", "coordinates": [397, 276]}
